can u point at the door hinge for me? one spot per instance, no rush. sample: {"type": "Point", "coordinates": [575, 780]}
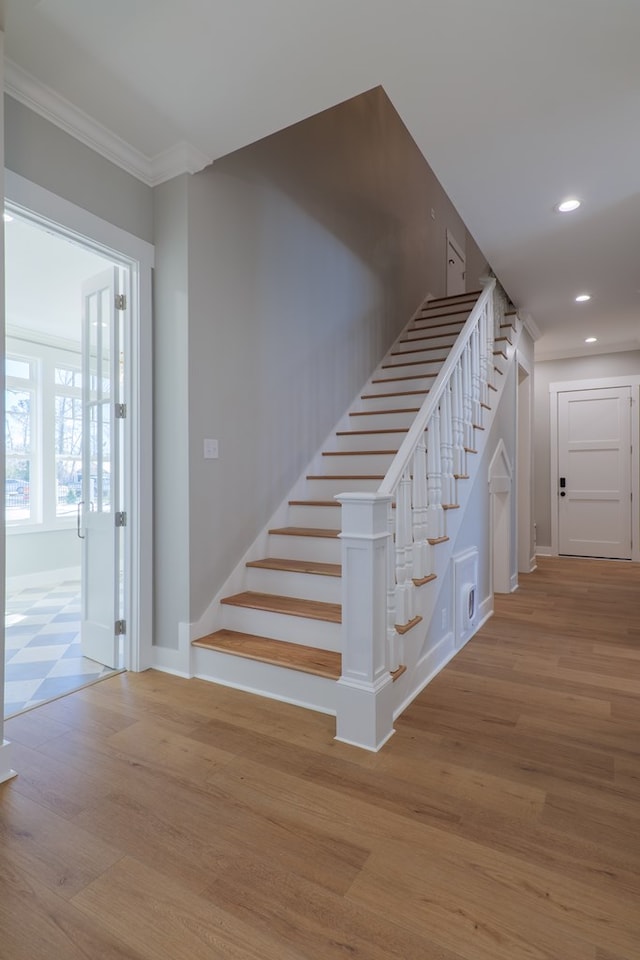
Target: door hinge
{"type": "Point", "coordinates": [120, 628]}
{"type": "Point", "coordinates": [121, 411]}
{"type": "Point", "coordinates": [121, 301]}
{"type": "Point", "coordinates": [121, 518]}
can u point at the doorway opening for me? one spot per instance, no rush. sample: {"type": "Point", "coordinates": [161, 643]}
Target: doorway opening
{"type": "Point", "coordinates": [456, 267]}
{"type": "Point", "coordinates": [67, 472]}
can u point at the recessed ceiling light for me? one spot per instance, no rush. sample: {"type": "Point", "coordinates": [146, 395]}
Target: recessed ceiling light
{"type": "Point", "coordinates": [7, 217]}
{"type": "Point", "coordinates": [591, 340]}
{"type": "Point", "coordinates": [583, 297]}
{"type": "Point", "coordinates": [568, 205]}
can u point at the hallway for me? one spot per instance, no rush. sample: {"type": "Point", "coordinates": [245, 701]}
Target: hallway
{"type": "Point", "coordinates": [164, 818]}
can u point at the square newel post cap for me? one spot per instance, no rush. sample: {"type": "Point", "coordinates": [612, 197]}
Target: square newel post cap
{"type": "Point", "coordinates": [364, 514]}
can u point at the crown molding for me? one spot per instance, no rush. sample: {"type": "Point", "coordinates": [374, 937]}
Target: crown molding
{"type": "Point", "coordinates": [178, 159]}
{"type": "Point", "coordinates": [628, 346]}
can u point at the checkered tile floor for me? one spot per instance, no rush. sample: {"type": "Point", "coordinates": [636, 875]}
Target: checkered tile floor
{"type": "Point", "coordinates": [43, 657]}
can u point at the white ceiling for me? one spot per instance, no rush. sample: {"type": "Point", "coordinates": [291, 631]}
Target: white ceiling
{"type": "Point", "coordinates": [514, 103]}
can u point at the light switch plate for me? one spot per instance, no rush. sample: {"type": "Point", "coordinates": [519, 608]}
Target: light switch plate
{"type": "Point", "coordinates": [211, 449]}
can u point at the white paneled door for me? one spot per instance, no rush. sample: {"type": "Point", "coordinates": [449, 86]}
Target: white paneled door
{"type": "Point", "coordinates": [594, 473]}
{"type": "Point", "coordinates": [100, 470]}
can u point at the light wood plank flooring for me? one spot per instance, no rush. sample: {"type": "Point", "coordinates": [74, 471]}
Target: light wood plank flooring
{"type": "Point", "coordinates": [162, 819]}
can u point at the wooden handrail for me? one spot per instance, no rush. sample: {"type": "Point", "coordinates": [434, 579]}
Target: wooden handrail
{"type": "Point", "coordinates": [416, 432]}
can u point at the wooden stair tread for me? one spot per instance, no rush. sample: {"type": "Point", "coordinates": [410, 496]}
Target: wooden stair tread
{"type": "Point", "coordinates": [304, 532]}
{"type": "Point", "coordinates": [313, 503]}
{"type": "Point", "coordinates": [402, 393]}
{"type": "Point", "coordinates": [361, 433]}
{"type": "Point", "coordinates": [344, 476]}
{"type": "Point", "coordinates": [357, 453]}
{"type": "Point", "coordinates": [415, 376]}
{"type": "Point", "coordinates": [279, 653]}
{"type": "Point", "coordinates": [376, 413]}
{"type": "Point", "coordinates": [298, 566]}
{"type": "Point", "coordinates": [290, 606]}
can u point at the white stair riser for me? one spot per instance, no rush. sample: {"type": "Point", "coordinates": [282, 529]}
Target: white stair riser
{"type": "Point", "coordinates": [327, 489]}
{"type": "Point", "coordinates": [358, 463]}
{"type": "Point", "coordinates": [283, 583]}
{"type": "Point", "coordinates": [426, 326]}
{"type": "Point", "coordinates": [381, 421]}
{"type": "Point", "coordinates": [381, 402]}
{"type": "Point", "coordinates": [417, 337]}
{"type": "Point", "coordinates": [419, 352]}
{"type": "Point", "coordinates": [328, 518]}
{"type": "Point", "coordinates": [279, 626]}
{"type": "Point", "coordinates": [324, 550]}
{"type": "Point", "coordinates": [397, 367]}
{"type": "Point", "coordinates": [315, 693]}
{"type": "Point", "coordinates": [414, 383]}
{"type": "Point", "coordinates": [369, 441]}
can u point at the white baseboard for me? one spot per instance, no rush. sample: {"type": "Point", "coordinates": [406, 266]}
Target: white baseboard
{"type": "Point", "coordinates": [427, 668]}
{"type": "Point", "coordinates": [514, 582]}
{"type": "Point", "coordinates": [543, 551]}
{"type": "Point", "coordinates": [6, 757]}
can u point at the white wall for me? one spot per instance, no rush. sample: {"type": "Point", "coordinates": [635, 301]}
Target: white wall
{"type": "Point", "coordinates": [29, 553]}
{"type": "Point", "coordinates": [552, 371]}
{"type": "Point", "coordinates": [307, 253]}
{"type": "Point", "coordinates": [46, 155]}
{"type": "Point", "coordinates": [171, 424]}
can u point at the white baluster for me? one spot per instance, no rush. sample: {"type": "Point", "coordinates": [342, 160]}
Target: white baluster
{"type": "Point", "coordinates": [459, 455]}
{"type": "Point", "coordinates": [394, 640]}
{"type": "Point", "coordinates": [484, 389]}
{"type": "Point", "coordinates": [446, 444]}
{"type": "Point", "coordinates": [475, 378]}
{"type": "Point", "coordinates": [434, 479]}
{"type": "Point", "coordinates": [404, 551]}
{"type": "Point", "coordinates": [467, 404]}
{"type": "Point", "coordinates": [491, 315]}
{"type": "Point", "coordinates": [420, 525]}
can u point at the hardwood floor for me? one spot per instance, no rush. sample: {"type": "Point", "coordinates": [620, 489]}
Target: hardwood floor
{"type": "Point", "coordinates": [156, 818]}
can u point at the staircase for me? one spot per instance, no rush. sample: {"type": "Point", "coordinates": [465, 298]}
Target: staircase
{"type": "Point", "coordinates": [281, 634]}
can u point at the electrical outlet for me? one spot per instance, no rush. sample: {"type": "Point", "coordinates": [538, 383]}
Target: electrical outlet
{"type": "Point", "coordinates": [211, 449]}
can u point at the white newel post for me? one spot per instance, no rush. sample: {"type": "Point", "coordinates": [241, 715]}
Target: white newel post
{"type": "Point", "coordinates": [365, 704]}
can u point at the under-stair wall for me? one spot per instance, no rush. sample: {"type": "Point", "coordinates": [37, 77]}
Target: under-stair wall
{"type": "Point", "coordinates": [289, 587]}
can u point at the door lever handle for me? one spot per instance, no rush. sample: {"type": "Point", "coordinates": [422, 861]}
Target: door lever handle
{"type": "Point", "coordinates": [80, 505]}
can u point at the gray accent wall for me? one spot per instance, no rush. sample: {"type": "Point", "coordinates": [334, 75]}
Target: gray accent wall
{"type": "Point", "coordinates": [308, 252]}
{"type": "Point", "coordinates": [44, 154]}
{"type": "Point", "coordinates": [557, 371]}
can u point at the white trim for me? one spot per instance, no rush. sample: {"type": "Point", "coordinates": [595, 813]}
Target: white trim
{"type": "Point", "coordinates": [36, 203]}
{"type": "Point", "coordinates": [603, 383]}
{"type": "Point", "coordinates": [180, 158]}
{"type": "Point", "coordinates": [42, 206]}
{"type": "Point", "coordinates": [6, 759]}
{"type": "Point", "coordinates": [543, 552]}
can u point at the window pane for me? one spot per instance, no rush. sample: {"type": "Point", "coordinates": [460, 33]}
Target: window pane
{"type": "Point", "coordinates": [68, 378]}
{"type": "Point", "coordinates": [17, 493]}
{"type": "Point", "coordinates": [68, 426]}
{"type": "Point", "coordinates": [68, 486]}
{"type": "Point", "coordinates": [18, 368]}
{"type": "Point", "coordinates": [18, 421]}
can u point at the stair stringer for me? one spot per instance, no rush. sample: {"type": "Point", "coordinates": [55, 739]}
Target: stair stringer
{"type": "Point", "coordinates": [211, 619]}
{"type": "Point", "coordinates": [425, 659]}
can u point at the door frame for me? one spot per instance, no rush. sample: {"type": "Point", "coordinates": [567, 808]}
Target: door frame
{"type": "Point", "coordinates": [48, 209]}
{"type": "Point", "coordinates": [603, 383]}
{"type": "Point", "coordinates": [458, 249]}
